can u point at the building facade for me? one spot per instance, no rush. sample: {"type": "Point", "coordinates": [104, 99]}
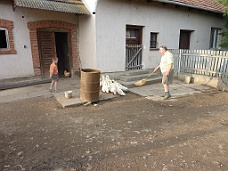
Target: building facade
{"type": "Point", "coordinates": [109, 35]}
{"type": "Point", "coordinates": [117, 23]}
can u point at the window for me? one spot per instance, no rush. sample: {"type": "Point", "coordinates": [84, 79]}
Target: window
{"type": "Point", "coordinates": [215, 38]}
{"type": "Point", "coordinates": [4, 39]}
{"type": "Point", "coordinates": [131, 34]}
{"type": "Point", "coordinates": [153, 40]}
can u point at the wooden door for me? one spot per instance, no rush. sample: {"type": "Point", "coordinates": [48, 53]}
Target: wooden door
{"type": "Point", "coordinates": [134, 35]}
{"type": "Point", "coordinates": [184, 42]}
{"type": "Point", "coordinates": [47, 50]}
{"type": "Point", "coordinates": [133, 47]}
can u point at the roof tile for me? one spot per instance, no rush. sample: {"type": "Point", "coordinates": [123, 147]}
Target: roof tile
{"type": "Point", "coordinates": [207, 4]}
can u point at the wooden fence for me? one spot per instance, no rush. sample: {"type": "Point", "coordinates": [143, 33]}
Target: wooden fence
{"type": "Point", "coordinates": [202, 62]}
{"type": "Point", "coordinates": [133, 57]}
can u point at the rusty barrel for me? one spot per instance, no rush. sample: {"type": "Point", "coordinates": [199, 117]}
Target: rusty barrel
{"type": "Point", "coordinates": [90, 85]}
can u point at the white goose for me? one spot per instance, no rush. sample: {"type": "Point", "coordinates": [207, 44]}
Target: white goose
{"type": "Point", "coordinates": [105, 87]}
{"type": "Point", "coordinates": [120, 92]}
{"type": "Point", "coordinates": [108, 85]}
{"type": "Point", "coordinates": [102, 79]}
{"type": "Point", "coordinates": [113, 88]}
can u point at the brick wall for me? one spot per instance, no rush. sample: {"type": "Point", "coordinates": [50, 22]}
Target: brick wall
{"type": "Point", "coordinates": [9, 26]}
{"type": "Point", "coordinates": [71, 29]}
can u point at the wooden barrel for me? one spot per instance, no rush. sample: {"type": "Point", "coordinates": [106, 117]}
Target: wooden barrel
{"type": "Point", "coordinates": [90, 85]}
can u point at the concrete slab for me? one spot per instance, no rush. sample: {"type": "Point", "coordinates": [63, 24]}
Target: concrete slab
{"type": "Point", "coordinates": [107, 96]}
{"type": "Point", "coordinates": [150, 91]}
{"type": "Point", "coordinates": [220, 83]}
{"type": "Point", "coordinates": [177, 89]}
{"type": "Point", "coordinates": [69, 102]}
{"type": "Point", "coordinates": [130, 84]}
{"type": "Point", "coordinates": [75, 100]}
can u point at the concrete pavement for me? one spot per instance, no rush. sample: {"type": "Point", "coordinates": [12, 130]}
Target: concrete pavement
{"type": "Point", "coordinates": [177, 89]}
{"type": "Point", "coordinates": [150, 91]}
{"type": "Point", "coordinates": [64, 84]}
{"type": "Point", "coordinates": [14, 94]}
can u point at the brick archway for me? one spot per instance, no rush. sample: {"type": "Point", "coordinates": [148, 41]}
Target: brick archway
{"type": "Point", "coordinates": [34, 26]}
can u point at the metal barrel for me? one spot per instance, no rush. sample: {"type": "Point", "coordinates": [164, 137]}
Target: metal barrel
{"type": "Point", "coordinates": [90, 85]}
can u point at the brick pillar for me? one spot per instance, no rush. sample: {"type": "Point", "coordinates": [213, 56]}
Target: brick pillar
{"type": "Point", "coordinates": [35, 51]}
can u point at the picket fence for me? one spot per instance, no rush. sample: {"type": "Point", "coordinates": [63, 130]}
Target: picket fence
{"type": "Point", "coordinates": [203, 62]}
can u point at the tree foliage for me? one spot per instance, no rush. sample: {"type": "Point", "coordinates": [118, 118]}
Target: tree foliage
{"type": "Point", "coordinates": [225, 3]}
{"type": "Point", "coordinates": [224, 42]}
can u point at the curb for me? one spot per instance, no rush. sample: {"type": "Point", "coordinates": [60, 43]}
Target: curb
{"type": "Point", "coordinates": [4, 86]}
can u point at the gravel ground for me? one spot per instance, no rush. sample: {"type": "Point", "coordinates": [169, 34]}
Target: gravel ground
{"type": "Point", "coordinates": [126, 133]}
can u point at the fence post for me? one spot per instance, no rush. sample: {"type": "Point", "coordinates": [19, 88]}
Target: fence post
{"type": "Point", "coordinates": [179, 61]}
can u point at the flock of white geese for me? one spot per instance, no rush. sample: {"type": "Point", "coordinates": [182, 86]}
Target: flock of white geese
{"type": "Point", "coordinates": [111, 86]}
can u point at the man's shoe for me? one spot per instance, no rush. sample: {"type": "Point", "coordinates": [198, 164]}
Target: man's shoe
{"type": "Point", "coordinates": [167, 97]}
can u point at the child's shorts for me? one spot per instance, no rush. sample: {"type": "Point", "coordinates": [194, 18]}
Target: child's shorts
{"type": "Point", "coordinates": [55, 77]}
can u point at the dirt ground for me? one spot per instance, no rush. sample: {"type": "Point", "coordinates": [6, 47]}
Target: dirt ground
{"type": "Point", "coordinates": [126, 133]}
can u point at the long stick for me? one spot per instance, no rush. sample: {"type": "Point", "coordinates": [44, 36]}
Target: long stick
{"type": "Point", "coordinates": [150, 75]}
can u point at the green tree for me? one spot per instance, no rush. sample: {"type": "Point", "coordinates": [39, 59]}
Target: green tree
{"type": "Point", "coordinates": [224, 42]}
{"type": "Point", "coordinates": [225, 3]}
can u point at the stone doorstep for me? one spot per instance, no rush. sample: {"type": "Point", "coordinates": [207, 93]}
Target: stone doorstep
{"type": "Point", "coordinates": [149, 81]}
{"type": "Point", "coordinates": [76, 101]}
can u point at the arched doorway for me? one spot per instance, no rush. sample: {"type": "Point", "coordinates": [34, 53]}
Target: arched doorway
{"type": "Point", "coordinates": [53, 38]}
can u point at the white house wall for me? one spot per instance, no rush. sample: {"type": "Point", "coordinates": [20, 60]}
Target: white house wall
{"type": "Point", "coordinates": [113, 16]}
{"type": "Point", "coordinates": [20, 64]}
{"type": "Point", "coordinates": [87, 41]}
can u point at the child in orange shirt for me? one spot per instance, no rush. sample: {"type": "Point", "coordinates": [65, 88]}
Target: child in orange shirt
{"type": "Point", "coordinates": [54, 74]}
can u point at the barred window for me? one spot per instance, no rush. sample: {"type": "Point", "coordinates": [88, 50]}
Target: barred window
{"type": "Point", "coordinates": [153, 39]}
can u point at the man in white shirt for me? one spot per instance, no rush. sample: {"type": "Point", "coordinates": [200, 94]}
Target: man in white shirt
{"type": "Point", "coordinates": [167, 69]}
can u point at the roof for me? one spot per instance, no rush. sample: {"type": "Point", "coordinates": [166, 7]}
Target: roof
{"type": "Point", "coordinates": [68, 6]}
{"type": "Point", "coordinates": [207, 5]}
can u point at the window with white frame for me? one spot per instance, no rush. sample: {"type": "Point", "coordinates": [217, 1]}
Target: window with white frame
{"type": "Point", "coordinates": [215, 38]}
{"type": "Point", "coordinates": [4, 39]}
{"type": "Point", "coordinates": [153, 40]}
